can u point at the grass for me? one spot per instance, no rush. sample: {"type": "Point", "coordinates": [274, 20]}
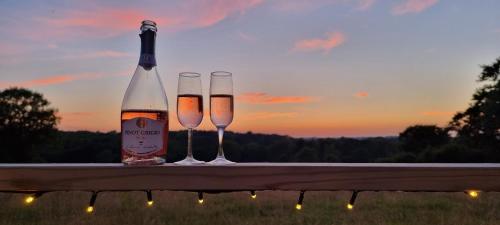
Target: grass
{"type": "Point", "coordinates": [269, 208]}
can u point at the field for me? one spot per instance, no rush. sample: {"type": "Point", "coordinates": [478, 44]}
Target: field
{"type": "Point", "coordinates": [269, 208]}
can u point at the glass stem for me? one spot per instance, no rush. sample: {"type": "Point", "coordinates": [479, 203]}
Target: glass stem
{"type": "Point", "coordinates": [220, 132]}
{"type": "Point", "coordinates": [190, 146]}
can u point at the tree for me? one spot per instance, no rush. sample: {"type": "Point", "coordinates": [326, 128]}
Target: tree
{"type": "Point", "coordinates": [26, 121]}
{"type": "Point", "coordinates": [479, 125]}
{"type": "Point", "coordinates": [417, 138]}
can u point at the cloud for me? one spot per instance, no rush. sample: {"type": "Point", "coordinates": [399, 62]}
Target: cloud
{"type": "Point", "coordinates": [106, 21]}
{"type": "Point", "coordinates": [56, 79]}
{"type": "Point", "coordinates": [74, 116]}
{"type": "Point", "coordinates": [412, 6]}
{"type": "Point", "coordinates": [309, 5]}
{"type": "Point", "coordinates": [301, 5]}
{"type": "Point", "coordinates": [263, 98]}
{"type": "Point", "coordinates": [78, 114]}
{"type": "Point", "coordinates": [246, 36]}
{"type": "Point", "coordinates": [269, 115]}
{"type": "Point", "coordinates": [437, 113]}
{"type": "Point", "coordinates": [332, 40]}
{"type": "Point", "coordinates": [100, 54]}
{"type": "Point", "coordinates": [364, 5]}
{"type": "Point", "coordinates": [109, 54]}
{"type": "Point", "coordinates": [209, 13]}
{"type": "Point", "coordinates": [361, 94]}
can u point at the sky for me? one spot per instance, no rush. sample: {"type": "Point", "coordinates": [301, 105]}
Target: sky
{"type": "Point", "coordinates": [319, 68]}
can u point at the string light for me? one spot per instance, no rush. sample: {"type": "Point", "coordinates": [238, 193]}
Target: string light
{"type": "Point", "coordinates": [472, 193]}
{"type": "Point", "coordinates": [150, 198]}
{"type": "Point", "coordinates": [90, 208]}
{"type": "Point", "coordinates": [31, 198]}
{"type": "Point", "coordinates": [299, 202]}
{"type": "Point", "coordinates": [350, 205]}
{"type": "Point", "coordinates": [253, 195]}
{"type": "Point", "coordinates": [200, 198]}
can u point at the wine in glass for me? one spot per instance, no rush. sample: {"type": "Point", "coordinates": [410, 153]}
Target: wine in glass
{"type": "Point", "coordinates": [189, 109]}
{"type": "Point", "coordinates": [221, 109]}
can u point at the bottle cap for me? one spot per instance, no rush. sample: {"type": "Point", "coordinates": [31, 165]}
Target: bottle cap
{"type": "Point", "coordinates": [148, 25]}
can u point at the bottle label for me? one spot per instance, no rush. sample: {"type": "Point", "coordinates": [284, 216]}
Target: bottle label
{"type": "Point", "coordinates": [142, 136]}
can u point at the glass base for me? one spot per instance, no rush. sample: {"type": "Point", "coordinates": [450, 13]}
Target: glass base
{"type": "Point", "coordinates": [220, 160]}
{"type": "Point", "coordinates": [133, 161]}
{"type": "Point", "coordinates": [189, 161]}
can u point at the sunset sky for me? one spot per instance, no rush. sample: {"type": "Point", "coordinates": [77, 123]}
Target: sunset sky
{"type": "Point", "coordinates": [301, 68]}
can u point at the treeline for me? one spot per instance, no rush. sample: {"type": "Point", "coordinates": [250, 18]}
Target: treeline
{"type": "Point", "coordinates": [87, 147]}
{"type": "Point", "coordinates": [418, 144]}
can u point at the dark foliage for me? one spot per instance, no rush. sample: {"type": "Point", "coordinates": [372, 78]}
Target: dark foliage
{"type": "Point", "coordinates": [26, 122]}
{"type": "Point", "coordinates": [90, 147]}
{"type": "Point", "coordinates": [479, 125]}
{"type": "Point", "coordinates": [420, 137]}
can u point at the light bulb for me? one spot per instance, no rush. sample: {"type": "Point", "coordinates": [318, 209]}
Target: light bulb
{"type": "Point", "coordinates": [30, 199]}
{"type": "Point", "coordinates": [473, 194]}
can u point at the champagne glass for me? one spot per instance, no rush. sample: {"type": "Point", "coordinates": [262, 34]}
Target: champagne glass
{"type": "Point", "coordinates": [189, 109]}
{"type": "Point", "coordinates": [221, 108]}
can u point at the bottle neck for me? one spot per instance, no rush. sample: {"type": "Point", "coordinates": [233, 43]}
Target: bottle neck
{"type": "Point", "coordinates": [147, 58]}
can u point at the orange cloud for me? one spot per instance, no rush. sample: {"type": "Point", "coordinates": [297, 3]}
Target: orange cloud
{"type": "Point", "coordinates": [332, 40]}
{"type": "Point", "coordinates": [412, 6]}
{"type": "Point", "coordinates": [56, 79]}
{"type": "Point", "coordinates": [437, 113]}
{"type": "Point", "coordinates": [269, 115]}
{"type": "Point", "coordinates": [361, 94]}
{"type": "Point", "coordinates": [263, 98]}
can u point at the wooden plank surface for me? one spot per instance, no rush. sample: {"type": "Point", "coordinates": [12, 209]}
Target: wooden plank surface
{"type": "Point", "coordinates": [251, 176]}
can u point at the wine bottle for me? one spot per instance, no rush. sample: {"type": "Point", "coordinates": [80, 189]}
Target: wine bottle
{"type": "Point", "coordinates": [144, 113]}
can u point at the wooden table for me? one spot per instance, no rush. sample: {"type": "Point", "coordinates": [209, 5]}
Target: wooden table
{"type": "Point", "coordinates": [251, 176]}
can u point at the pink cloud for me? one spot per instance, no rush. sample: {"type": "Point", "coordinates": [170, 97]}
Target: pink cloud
{"type": "Point", "coordinates": [332, 40]}
{"type": "Point", "coordinates": [57, 79]}
{"type": "Point", "coordinates": [103, 22]}
{"type": "Point", "coordinates": [361, 94]}
{"type": "Point", "coordinates": [412, 6]}
{"type": "Point", "coordinates": [99, 54]}
{"type": "Point", "coordinates": [108, 22]}
{"type": "Point", "coordinates": [263, 98]}
{"type": "Point", "coordinates": [437, 113]}
{"type": "Point", "coordinates": [208, 13]}
{"type": "Point", "coordinates": [109, 54]}
{"type": "Point", "coordinates": [365, 4]}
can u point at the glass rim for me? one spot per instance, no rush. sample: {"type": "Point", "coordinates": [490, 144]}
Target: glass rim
{"type": "Point", "coordinates": [221, 74]}
{"type": "Point", "coordinates": [189, 74]}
